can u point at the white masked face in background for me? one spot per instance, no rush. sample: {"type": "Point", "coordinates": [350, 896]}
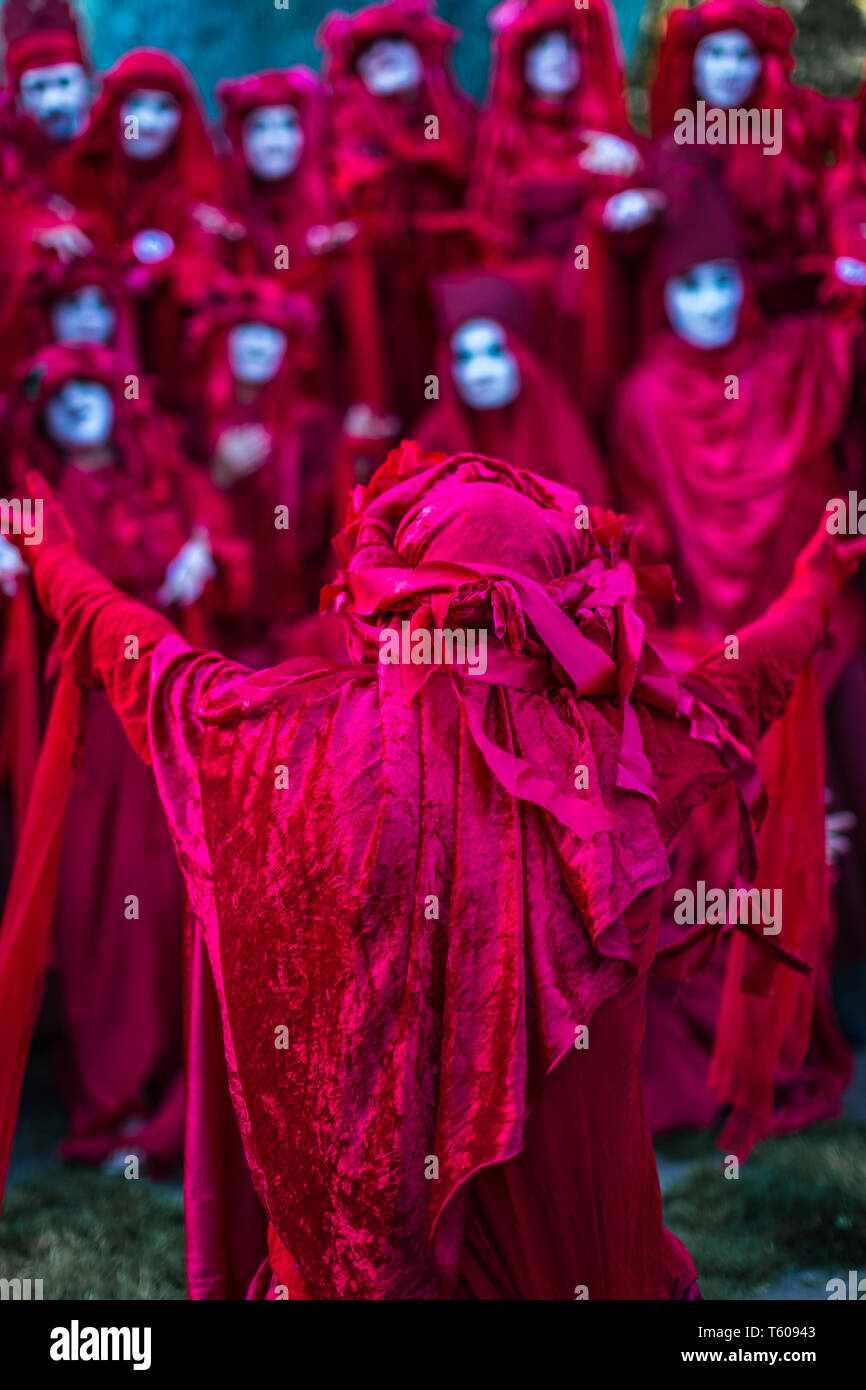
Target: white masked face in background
{"type": "Point", "coordinates": [485, 370]}
{"type": "Point", "coordinates": [726, 68]}
{"type": "Point", "coordinates": [390, 67]}
{"type": "Point", "coordinates": [80, 415]}
{"type": "Point", "coordinates": [85, 315]}
{"type": "Point", "coordinates": [273, 141]}
{"type": "Point", "coordinates": [551, 65]}
{"type": "Point", "coordinates": [57, 98]}
{"type": "Point", "coordinates": [704, 305]}
{"type": "Point", "coordinates": [149, 121]}
{"type": "Point", "coordinates": [256, 352]}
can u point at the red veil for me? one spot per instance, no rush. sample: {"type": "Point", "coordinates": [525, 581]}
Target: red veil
{"type": "Point", "coordinates": [279, 210]}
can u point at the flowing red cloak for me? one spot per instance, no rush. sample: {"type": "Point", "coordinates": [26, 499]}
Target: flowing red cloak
{"type": "Point", "coordinates": [405, 189]}
{"type": "Point", "coordinates": [394, 1054]}
{"type": "Point", "coordinates": [119, 973]}
{"type": "Point", "coordinates": [728, 490]}
{"type": "Point", "coordinates": [780, 198]}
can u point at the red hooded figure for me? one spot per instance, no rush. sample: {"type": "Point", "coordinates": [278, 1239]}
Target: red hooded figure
{"type": "Point", "coordinates": [495, 394]}
{"type": "Point", "coordinates": [780, 197]}
{"type": "Point", "coordinates": [150, 162]}
{"type": "Point", "coordinates": [269, 447]}
{"type": "Point", "coordinates": [428, 937]}
{"type": "Point", "coordinates": [44, 109]}
{"type": "Point", "coordinates": [402, 144]}
{"type": "Point", "coordinates": [722, 440]}
{"type": "Point", "coordinates": [84, 415]}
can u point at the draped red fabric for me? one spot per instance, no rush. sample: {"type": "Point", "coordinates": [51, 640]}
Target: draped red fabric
{"type": "Point", "coordinates": [780, 198]}
{"type": "Point", "coordinates": [378, 1078]}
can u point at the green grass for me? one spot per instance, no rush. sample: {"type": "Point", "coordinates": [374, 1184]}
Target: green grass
{"type": "Point", "coordinates": [90, 1236]}
{"type": "Point", "coordinates": [799, 1203]}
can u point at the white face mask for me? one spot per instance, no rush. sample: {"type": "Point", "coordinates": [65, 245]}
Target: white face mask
{"type": "Point", "coordinates": [80, 415]}
{"type": "Point", "coordinates": [273, 141]}
{"type": "Point", "coordinates": [703, 305]}
{"type": "Point", "coordinates": [485, 370]}
{"type": "Point", "coordinates": [256, 352]}
{"type": "Point", "coordinates": [83, 316]}
{"type": "Point", "coordinates": [149, 121]}
{"type": "Point", "coordinates": [551, 65]}
{"type": "Point", "coordinates": [57, 98]}
{"type": "Point", "coordinates": [390, 67]}
{"type": "Point", "coordinates": [726, 68]}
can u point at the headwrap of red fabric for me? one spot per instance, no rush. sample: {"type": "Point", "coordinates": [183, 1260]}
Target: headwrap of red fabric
{"type": "Point", "coordinates": [291, 205]}
{"type": "Point", "coordinates": [52, 280]}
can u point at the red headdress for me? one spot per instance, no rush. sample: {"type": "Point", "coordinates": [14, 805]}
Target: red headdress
{"type": "Point", "coordinates": [140, 191]}
{"type": "Point", "coordinates": [770, 28]}
{"type": "Point", "coordinates": [39, 33]}
{"type": "Point", "coordinates": [52, 280]}
{"type": "Point", "coordinates": [302, 199]}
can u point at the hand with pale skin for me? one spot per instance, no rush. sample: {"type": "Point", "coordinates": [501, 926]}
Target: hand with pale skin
{"type": "Point", "coordinates": [11, 568]}
{"type": "Point", "coordinates": [361, 421]}
{"type": "Point", "coordinates": [838, 560]}
{"type": "Point", "coordinates": [631, 209]}
{"type": "Point", "coordinates": [608, 154]}
{"type": "Point", "coordinates": [322, 238]}
{"type": "Point", "coordinates": [240, 451]}
{"type": "Point", "coordinates": [67, 240]}
{"type": "Point", "coordinates": [188, 573]}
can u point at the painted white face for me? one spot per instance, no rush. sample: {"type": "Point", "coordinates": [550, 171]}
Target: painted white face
{"type": "Point", "coordinates": [273, 141]}
{"type": "Point", "coordinates": [85, 315]}
{"type": "Point", "coordinates": [149, 121]}
{"type": "Point", "coordinates": [256, 352]}
{"type": "Point", "coordinates": [703, 306]}
{"type": "Point", "coordinates": [390, 67]}
{"type": "Point", "coordinates": [80, 415]}
{"type": "Point", "coordinates": [485, 370]}
{"type": "Point", "coordinates": [551, 65]}
{"type": "Point", "coordinates": [57, 98]}
{"type": "Point", "coordinates": [726, 68]}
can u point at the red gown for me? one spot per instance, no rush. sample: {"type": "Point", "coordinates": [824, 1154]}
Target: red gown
{"type": "Point", "coordinates": [399, 1022]}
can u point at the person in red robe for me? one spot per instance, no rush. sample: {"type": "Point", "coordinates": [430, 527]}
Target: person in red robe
{"type": "Point", "coordinates": [45, 107]}
{"type": "Point", "coordinates": [555, 143]}
{"type": "Point", "coordinates": [723, 449]}
{"type": "Point", "coordinates": [144, 517]}
{"type": "Point", "coordinates": [269, 447]}
{"type": "Point", "coordinates": [149, 161]}
{"type": "Point", "coordinates": [495, 395]}
{"type": "Point", "coordinates": [402, 136]}
{"type": "Point", "coordinates": [429, 892]}
{"type": "Point", "coordinates": [736, 55]}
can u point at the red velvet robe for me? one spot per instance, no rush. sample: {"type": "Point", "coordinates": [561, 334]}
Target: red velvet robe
{"type": "Point", "coordinates": [408, 1088]}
